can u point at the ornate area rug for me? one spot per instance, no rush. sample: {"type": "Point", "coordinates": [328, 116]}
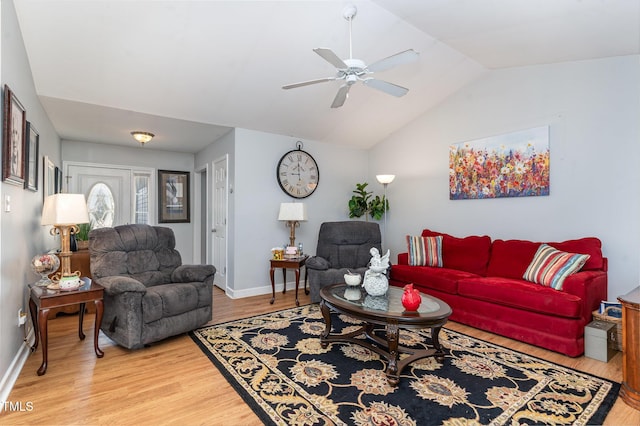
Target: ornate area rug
{"type": "Point", "coordinates": [276, 363]}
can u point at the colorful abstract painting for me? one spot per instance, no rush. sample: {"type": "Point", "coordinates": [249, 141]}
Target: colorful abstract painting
{"type": "Point", "coordinates": [511, 165]}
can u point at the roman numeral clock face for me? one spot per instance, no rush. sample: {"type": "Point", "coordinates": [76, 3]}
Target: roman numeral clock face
{"type": "Point", "coordinates": [298, 173]}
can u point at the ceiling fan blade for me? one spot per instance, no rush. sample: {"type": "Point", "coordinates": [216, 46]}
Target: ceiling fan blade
{"type": "Point", "coordinates": [329, 56]}
{"type": "Point", "coordinates": [307, 83]}
{"type": "Point", "coordinates": [385, 86]}
{"type": "Point", "coordinates": [405, 57]}
{"type": "Point", "coordinates": [341, 96]}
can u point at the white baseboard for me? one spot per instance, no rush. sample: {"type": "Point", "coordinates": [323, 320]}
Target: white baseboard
{"type": "Point", "coordinates": [10, 377]}
{"type": "Point", "coordinates": [266, 289]}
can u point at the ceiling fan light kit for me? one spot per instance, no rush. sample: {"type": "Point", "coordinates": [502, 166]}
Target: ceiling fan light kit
{"type": "Point", "coordinates": [353, 70]}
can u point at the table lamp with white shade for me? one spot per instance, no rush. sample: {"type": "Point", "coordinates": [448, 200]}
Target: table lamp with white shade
{"type": "Point", "coordinates": [65, 212]}
{"type": "Point", "coordinates": [293, 214]}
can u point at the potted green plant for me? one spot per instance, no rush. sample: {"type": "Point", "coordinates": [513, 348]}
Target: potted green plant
{"type": "Point", "coordinates": [82, 236]}
{"type": "Point", "coordinates": [362, 203]}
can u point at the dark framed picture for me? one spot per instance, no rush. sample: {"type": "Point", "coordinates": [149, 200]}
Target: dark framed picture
{"type": "Point", "coordinates": [14, 143]}
{"type": "Point", "coordinates": [58, 180]}
{"type": "Point", "coordinates": [31, 166]}
{"type": "Point", "coordinates": [173, 197]}
{"type": "Point", "coordinates": [48, 178]}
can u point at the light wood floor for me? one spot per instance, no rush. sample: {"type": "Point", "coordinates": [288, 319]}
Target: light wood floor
{"type": "Point", "coordinates": [175, 383]}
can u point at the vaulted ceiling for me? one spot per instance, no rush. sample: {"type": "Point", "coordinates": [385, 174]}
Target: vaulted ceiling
{"type": "Point", "coordinates": [189, 71]}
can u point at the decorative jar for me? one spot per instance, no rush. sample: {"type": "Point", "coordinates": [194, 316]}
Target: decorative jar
{"type": "Point", "coordinates": [45, 265]}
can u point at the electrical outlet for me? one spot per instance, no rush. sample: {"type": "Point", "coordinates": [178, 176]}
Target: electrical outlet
{"type": "Point", "coordinates": [22, 317]}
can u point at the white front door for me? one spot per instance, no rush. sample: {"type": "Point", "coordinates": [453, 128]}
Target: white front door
{"type": "Point", "coordinates": [102, 181]}
{"type": "Point", "coordinates": [219, 230]}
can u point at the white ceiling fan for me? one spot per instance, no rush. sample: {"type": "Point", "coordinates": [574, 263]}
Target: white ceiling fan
{"type": "Point", "coordinates": [352, 70]}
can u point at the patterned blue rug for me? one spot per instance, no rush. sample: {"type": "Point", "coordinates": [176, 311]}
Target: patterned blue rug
{"type": "Point", "coordinates": [276, 363]}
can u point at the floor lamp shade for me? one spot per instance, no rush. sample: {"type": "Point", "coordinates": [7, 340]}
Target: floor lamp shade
{"type": "Point", "coordinates": [385, 179]}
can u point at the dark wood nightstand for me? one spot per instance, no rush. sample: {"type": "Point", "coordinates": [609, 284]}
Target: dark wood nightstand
{"type": "Point", "coordinates": [292, 263]}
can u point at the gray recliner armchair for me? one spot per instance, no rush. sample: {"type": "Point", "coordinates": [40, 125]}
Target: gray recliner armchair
{"type": "Point", "coordinates": [342, 246]}
{"type": "Point", "coordinates": [149, 295]}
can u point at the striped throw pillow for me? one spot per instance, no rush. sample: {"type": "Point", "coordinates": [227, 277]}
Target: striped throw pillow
{"type": "Point", "coordinates": [425, 251]}
{"type": "Point", "coordinates": [550, 267]}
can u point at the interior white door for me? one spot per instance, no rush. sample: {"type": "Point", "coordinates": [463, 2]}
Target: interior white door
{"type": "Point", "coordinates": [219, 230]}
{"type": "Point", "coordinates": [84, 179]}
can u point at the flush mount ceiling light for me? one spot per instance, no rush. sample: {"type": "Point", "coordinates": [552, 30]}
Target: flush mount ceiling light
{"type": "Point", "coordinates": [142, 137]}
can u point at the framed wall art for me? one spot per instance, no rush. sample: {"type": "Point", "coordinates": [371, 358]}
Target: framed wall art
{"type": "Point", "coordinates": [58, 180]}
{"type": "Point", "coordinates": [173, 197]}
{"type": "Point", "coordinates": [48, 178]}
{"type": "Point", "coordinates": [14, 142]}
{"type": "Point", "coordinates": [510, 165]}
{"type": "Point", "coordinates": [31, 165]}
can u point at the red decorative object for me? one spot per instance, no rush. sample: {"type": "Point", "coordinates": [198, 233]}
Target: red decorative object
{"type": "Point", "coordinates": [411, 298]}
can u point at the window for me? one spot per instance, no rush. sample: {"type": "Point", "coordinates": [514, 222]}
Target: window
{"type": "Point", "coordinates": [141, 190]}
{"type": "Point", "coordinates": [101, 206]}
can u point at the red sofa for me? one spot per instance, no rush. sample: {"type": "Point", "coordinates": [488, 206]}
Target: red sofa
{"type": "Point", "coordinates": [482, 281]}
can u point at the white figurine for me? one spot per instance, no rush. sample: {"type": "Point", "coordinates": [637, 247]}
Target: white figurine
{"type": "Point", "coordinates": [377, 263]}
{"type": "Point", "coordinates": [375, 280]}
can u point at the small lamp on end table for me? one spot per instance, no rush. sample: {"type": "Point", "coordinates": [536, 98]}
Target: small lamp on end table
{"type": "Point", "coordinates": [293, 214]}
{"type": "Point", "coordinates": [64, 212]}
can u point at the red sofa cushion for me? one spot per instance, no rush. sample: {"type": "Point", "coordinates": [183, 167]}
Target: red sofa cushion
{"type": "Point", "coordinates": [469, 254]}
{"type": "Point", "coordinates": [444, 280]}
{"type": "Point", "coordinates": [522, 295]}
{"type": "Point", "coordinates": [510, 258]}
{"type": "Point", "coordinates": [589, 245]}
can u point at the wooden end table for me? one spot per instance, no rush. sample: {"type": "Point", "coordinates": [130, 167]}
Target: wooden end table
{"type": "Point", "coordinates": [630, 388]}
{"type": "Point", "coordinates": [294, 263]}
{"type": "Point", "coordinates": [42, 299]}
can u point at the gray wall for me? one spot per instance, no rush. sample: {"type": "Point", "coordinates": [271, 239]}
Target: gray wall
{"type": "Point", "coordinates": [255, 201]}
{"type": "Point", "coordinates": [21, 235]}
{"type": "Point", "coordinates": [593, 108]}
{"type": "Point", "coordinates": [137, 156]}
{"type": "Point", "coordinates": [223, 146]}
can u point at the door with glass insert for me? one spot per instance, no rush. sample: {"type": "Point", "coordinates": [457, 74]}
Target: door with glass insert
{"type": "Point", "coordinates": [107, 191]}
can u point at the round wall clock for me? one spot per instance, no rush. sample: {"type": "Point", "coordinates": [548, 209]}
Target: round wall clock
{"type": "Point", "coordinates": [298, 173]}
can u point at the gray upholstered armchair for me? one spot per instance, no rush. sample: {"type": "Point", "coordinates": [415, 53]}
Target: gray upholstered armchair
{"type": "Point", "coordinates": [341, 246]}
{"type": "Point", "coordinates": [149, 295]}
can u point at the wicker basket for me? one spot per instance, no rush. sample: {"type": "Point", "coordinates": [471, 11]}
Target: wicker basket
{"type": "Point", "coordinates": [616, 338]}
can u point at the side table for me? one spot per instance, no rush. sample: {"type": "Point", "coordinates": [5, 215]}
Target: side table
{"type": "Point", "coordinates": [41, 300]}
{"type": "Point", "coordinates": [294, 263]}
{"type": "Point", "coordinates": [630, 389]}
{"type": "Point", "coordinates": [79, 262]}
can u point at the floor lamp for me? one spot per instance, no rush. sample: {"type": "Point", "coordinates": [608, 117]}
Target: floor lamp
{"type": "Point", "coordinates": [385, 180]}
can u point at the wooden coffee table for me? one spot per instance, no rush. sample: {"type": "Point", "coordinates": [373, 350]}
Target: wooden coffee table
{"type": "Point", "coordinates": [388, 312]}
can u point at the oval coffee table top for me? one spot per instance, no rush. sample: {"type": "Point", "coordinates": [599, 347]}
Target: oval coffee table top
{"type": "Point", "coordinates": [356, 300]}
